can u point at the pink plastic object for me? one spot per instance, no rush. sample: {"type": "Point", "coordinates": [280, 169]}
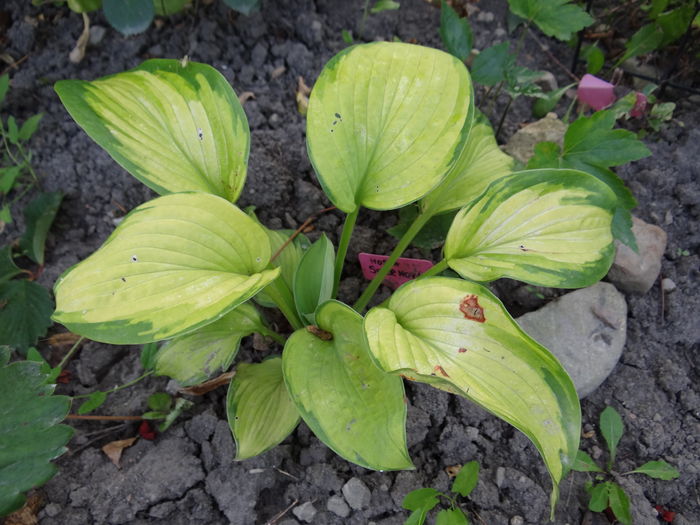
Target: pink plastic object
{"type": "Point", "coordinates": [640, 105]}
{"type": "Point", "coordinates": [595, 92]}
{"type": "Point", "coordinates": [402, 271]}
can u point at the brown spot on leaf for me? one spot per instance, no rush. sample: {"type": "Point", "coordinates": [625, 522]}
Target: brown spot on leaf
{"type": "Point", "coordinates": [408, 377]}
{"type": "Point", "coordinates": [321, 334]}
{"type": "Point", "coordinates": [438, 368]}
{"type": "Point", "coordinates": [471, 309]}
{"type": "Point", "coordinates": [461, 350]}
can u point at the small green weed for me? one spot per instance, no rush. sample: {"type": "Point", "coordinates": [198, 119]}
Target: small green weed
{"type": "Point", "coordinates": [422, 501]}
{"type": "Point", "coordinates": [604, 492]}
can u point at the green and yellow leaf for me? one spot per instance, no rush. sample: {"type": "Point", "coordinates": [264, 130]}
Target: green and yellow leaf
{"type": "Point", "coordinates": [175, 128]}
{"type": "Point", "coordinates": [351, 405]}
{"type": "Point", "coordinates": [260, 411]}
{"type": "Point", "coordinates": [173, 265]}
{"type": "Point", "coordinates": [193, 358]}
{"type": "Point", "coordinates": [546, 227]}
{"type": "Point", "coordinates": [386, 121]}
{"type": "Point", "coordinates": [457, 336]}
{"type": "Point", "coordinates": [479, 164]}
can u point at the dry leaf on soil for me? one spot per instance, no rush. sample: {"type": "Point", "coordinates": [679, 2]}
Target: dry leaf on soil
{"type": "Point", "coordinates": [114, 449]}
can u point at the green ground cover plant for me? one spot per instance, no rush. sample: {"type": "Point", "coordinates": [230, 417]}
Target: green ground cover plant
{"type": "Point", "coordinates": [603, 491]}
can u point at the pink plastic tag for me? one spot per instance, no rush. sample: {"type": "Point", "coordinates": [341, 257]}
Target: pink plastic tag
{"type": "Point", "coordinates": [595, 92]}
{"type": "Point", "coordinates": [402, 271]}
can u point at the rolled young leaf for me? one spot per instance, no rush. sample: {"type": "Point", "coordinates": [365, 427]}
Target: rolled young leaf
{"type": "Point", "coordinates": [457, 336]}
{"type": "Point", "coordinates": [547, 227]}
{"type": "Point", "coordinates": [313, 280]}
{"type": "Point", "coordinates": [351, 405]}
{"type": "Point", "coordinates": [174, 264]}
{"type": "Point", "coordinates": [175, 128]}
{"type": "Point", "coordinates": [386, 121]}
{"type": "Point", "coordinates": [259, 409]}
{"type": "Point", "coordinates": [194, 357]}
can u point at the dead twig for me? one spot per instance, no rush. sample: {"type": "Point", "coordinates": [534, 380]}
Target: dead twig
{"type": "Point", "coordinates": [300, 229]}
{"type": "Point", "coordinates": [208, 386]}
{"type": "Point", "coordinates": [279, 515]}
{"type": "Point", "coordinates": [105, 418]}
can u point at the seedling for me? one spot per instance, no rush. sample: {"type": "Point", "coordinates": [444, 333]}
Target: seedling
{"type": "Point", "coordinates": [604, 492]}
{"type": "Point", "coordinates": [388, 124]}
{"type": "Point", "coordinates": [17, 175]}
{"type": "Point", "coordinates": [422, 501]}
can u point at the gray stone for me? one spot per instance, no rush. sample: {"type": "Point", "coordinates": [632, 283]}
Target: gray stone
{"type": "Point", "coordinates": [337, 506]}
{"type": "Point", "coordinates": [667, 285]}
{"type": "Point", "coordinates": [97, 33]}
{"type": "Point", "coordinates": [52, 509]}
{"type": "Point", "coordinates": [357, 494]}
{"type": "Point", "coordinates": [305, 512]}
{"type": "Point", "coordinates": [517, 520]}
{"type": "Point", "coordinates": [258, 55]}
{"type": "Point", "coordinates": [585, 330]}
{"type": "Point", "coordinates": [521, 145]}
{"type": "Point", "coordinates": [636, 272]}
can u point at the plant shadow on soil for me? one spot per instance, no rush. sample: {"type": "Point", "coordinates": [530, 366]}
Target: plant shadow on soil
{"type": "Point", "coordinates": [187, 474]}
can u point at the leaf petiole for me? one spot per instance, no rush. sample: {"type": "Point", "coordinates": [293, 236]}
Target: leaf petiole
{"type": "Point", "coordinates": [405, 240]}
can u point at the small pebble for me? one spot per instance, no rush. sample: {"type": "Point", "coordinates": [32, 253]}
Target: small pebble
{"type": "Point", "coordinates": [517, 520]}
{"type": "Point", "coordinates": [500, 476]}
{"type": "Point", "coordinates": [667, 285]}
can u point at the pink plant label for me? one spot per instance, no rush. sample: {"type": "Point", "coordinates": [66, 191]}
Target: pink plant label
{"type": "Point", "coordinates": [595, 92]}
{"type": "Point", "coordinates": [403, 270]}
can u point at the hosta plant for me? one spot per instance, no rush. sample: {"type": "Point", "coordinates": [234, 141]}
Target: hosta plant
{"type": "Point", "coordinates": [388, 125]}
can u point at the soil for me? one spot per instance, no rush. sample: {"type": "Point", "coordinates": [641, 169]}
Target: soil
{"type": "Point", "coordinates": [187, 475]}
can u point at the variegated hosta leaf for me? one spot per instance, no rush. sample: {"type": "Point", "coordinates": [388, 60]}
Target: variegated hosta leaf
{"type": "Point", "coordinates": [479, 164]}
{"type": "Point", "coordinates": [173, 265]}
{"type": "Point", "coordinates": [456, 335]}
{"type": "Point", "coordinates": [287, 260]}
{"type": "Point", "coordinates": [175, 128]}
{"type": "Point", "coordinates": [194, 357]}
{"type": "Point", "coordinates": [386, 121]}
{"type": "Point", "coordinates": [259, 409]}
{"type": "Point", "coordinates": [548, 227]}
{"type": "Point", "coordinates": [351, 405]}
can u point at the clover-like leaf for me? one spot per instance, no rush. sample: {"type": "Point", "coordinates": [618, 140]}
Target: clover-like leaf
{"type": "Point", "coordinates": [386, 121]}
{"type": "Point", "coordinates": [38, 216]}
{"type": "Point", "coordinates": [544, 227]}
{"type": "Point", "coordinates": [30, 433]}
{"type": "Point", "coordinates": [479, 164]}
{"type": "Point", "coordinates": [173, 265]}
{"type": "Point", "coordinates": [557, 18]}
{"type": "Point", "coordinates": [351, 405]}
{"type": "Point", "coordinates": [25, 312]}
{"type": "Point", "coordinates": [174, 127]}
{"type": "Point", "coordinates": [457, 336]}
{"type": "Point", "coordinates": [260, 412]}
